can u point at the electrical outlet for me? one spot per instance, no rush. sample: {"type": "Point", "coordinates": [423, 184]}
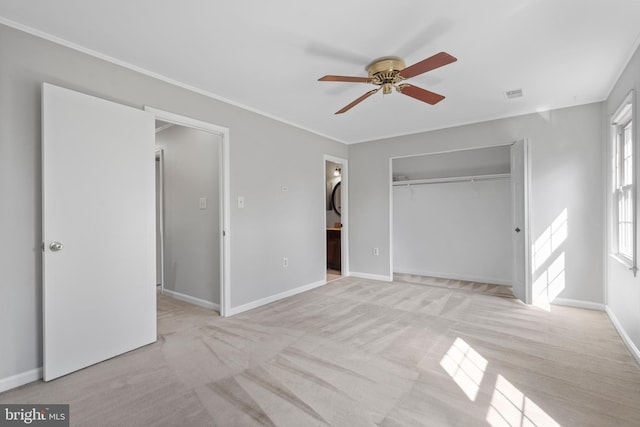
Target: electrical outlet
{"type": "Point", "coordinates": [203, 203]}
{"type": "Point", "coordinates": [240, 202]}
{"type": "Point", "coordinates": [376, 251]}
{"type": "Point", "coordinates": [284, 188]}
{"type": "Point", "coordinates": [285, 262]}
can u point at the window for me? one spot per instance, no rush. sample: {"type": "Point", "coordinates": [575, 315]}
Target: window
{"type": "Point", "coordinates": [624, 183]}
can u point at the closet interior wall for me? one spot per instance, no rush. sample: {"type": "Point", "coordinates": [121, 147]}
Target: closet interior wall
{"type": "Point", "coordinates": [452, 216]}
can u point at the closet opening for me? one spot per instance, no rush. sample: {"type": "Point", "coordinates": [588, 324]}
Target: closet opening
{"type": "Point", "coordinates": [453, 217]}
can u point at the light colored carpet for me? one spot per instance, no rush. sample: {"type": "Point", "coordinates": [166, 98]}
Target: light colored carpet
{"type": "Point", "coordinates": [362, 353]}
{"type": "Point", "coordinates": [485, 288]}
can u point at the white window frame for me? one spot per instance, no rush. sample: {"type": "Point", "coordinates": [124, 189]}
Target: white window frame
{"type": "Point", "coordinates": [624, 183]}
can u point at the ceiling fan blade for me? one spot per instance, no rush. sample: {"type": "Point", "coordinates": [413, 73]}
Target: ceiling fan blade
{"type": "Point", "coordinates": [357, 101]}
{"type": "Point", "coordinates": [436, 61]}
{"type": "Point", "coordinates": [347, 79]}
{"type": "Point", "coordinates": [420, 94]}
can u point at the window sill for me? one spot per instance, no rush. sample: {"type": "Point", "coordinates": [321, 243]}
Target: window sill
{"type": "Point", "coordinates": [622, 260]}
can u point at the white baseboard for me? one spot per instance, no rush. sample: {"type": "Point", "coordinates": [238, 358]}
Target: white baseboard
{"type": "Point", "coordinates": [192, 300]}
{"type": "Point", "coordinates": [371, 276]}
{"type": "Point", "coordinates": [20, 379]}
{"type": "Point", "coordinates": [635, 352]}
{"type": "Point", "coordinates": [578, 304]}
{"type": "Point", "coordinates": [466, 278]}
{"type": "Point", "coordinates": [255, 304]}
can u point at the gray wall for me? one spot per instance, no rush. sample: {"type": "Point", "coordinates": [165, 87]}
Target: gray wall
{"type": "Point", "coordinates": [273, 224]}
{"type": "Point", "coordinates": [191, 234]}
{"type": "Point", "coordinates": [623, 290]}
{"type": "Point", "coordinates": [567, 172]}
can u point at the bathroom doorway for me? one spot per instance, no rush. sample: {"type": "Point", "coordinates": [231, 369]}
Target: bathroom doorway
{"type": "Point", "coordinates": [335, 217]}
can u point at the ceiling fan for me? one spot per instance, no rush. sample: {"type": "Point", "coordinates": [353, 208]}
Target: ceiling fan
{"type": "Point", "coordinates": [389, 71]}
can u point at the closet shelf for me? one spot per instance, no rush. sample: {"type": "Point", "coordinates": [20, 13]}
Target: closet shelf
{"type": "Point", "coordinates": [451, 179]}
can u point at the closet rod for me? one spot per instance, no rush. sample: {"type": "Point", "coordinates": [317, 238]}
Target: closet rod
{"type": "Point", "coordinates": [451, 179]}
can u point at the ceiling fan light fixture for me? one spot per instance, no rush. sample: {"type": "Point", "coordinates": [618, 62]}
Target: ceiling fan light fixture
{"type": "Point", "coordinates": [387, 88]}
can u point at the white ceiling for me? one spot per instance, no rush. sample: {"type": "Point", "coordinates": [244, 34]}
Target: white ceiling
{"type": "Point", "coordinates": [267, 55]}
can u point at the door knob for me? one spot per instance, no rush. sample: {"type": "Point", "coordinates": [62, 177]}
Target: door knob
{"type": "Point", "coordinates": [517, 229]}
{"type": "Point", "coordinates": [55, 246]}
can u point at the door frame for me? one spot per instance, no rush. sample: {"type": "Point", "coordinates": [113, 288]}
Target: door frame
{"type": "Point", "coordinates": [224, 191]}
{"type": "Point", "coordinates": [528, 289]}
{"type": "Point", "coordinates": [526, 195]}
{"type": "Point", "coordinates": [344, 215]}
{"type": "Point", "coordinates": [159, 157]}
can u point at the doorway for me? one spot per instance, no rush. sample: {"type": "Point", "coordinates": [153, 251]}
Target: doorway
{"type": "Point", "coordinates": [335, 195]}
{"type": "Point", "coordinates": [193, 207]}
{"type": "Point", "coordinates": [189, 217]}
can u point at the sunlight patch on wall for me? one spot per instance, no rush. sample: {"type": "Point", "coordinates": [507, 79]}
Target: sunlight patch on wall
{"type": "Point", "coordinates": [510, 407]}
{"type": "Point", "coordinates": [465, 366]}
{"type": "Point", "coordinates": [550, 240]}
{"type": "Point", "coordinates": [550, 283]}
{"type": "Point", "coordinates": [549, 268]}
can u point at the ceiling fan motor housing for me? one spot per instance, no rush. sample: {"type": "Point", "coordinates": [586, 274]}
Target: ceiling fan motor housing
{"type": "Point", "coordinates": [384, 72]}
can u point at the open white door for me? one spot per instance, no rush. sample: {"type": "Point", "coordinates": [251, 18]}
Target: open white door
{"type": "Point", "coordinates": [519, 222]}
{"type": "Point", "coordinates": [98, 230]}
